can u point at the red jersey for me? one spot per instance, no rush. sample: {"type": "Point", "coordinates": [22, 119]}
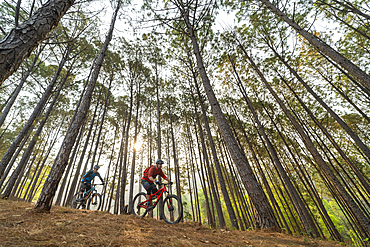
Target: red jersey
{"type": "Point", "coordinates": [154, 172]}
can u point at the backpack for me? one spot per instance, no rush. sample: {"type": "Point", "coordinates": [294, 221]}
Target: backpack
{"type": "Point", "coordinates": [146, 171]}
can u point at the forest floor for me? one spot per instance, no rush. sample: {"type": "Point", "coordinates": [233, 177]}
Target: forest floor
{"type": "Point", "coordinates": [19, 226]}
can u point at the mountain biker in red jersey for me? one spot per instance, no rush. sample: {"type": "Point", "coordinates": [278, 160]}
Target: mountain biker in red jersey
{"type": "Point", "coordinates": [148, 179]}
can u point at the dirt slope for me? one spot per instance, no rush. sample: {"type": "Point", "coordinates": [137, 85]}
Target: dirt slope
{"type": "Point", "coordinates": [69, 227]}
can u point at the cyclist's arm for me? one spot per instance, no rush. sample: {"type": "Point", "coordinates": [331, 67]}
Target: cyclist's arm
{"type": "Point", "coordinates": [151, 179]}
{"type": "Point", "coordinates": [164, 176]}
{"type": "Point", "coordinates": [100, 178]}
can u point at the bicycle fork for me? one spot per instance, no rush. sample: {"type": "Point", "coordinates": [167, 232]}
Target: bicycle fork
{"type": "Point", "coordinates": [169, 205]}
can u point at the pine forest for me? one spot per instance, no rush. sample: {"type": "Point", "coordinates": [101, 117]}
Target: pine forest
{"type": "Point", "coordinates": [260, 109]}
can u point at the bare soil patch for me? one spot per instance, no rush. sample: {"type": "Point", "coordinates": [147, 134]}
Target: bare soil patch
{"type": "Point", "coordinates": [19, 226]}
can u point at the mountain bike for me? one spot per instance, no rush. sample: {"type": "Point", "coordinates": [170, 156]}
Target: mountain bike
{"type": "Point", "coordinates": [91, 199]}
{"type": "Point", "coordinates": [172, 207]}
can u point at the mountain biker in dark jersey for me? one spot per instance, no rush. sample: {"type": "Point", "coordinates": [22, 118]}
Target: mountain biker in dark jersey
{"type": "Point", "coordinates": [149, 178]}
{"type": "Point", "coordinates": [88, 177]}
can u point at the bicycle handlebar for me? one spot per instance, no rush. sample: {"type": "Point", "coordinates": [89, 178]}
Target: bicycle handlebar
{"type": "Point", "coordinates": [166, 183]}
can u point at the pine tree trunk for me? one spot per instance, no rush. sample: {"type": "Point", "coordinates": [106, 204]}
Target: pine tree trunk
{"type": "Point", "coordinates": [264, 213]}
{"type": "Point", "coordinates": [40, 105]}
{"type": "Point", "coordinates": [37, 166]}
{"type": "Point", "coordinates": [327, 220]}
{"type": "Point", "coordinates": [301, 210]}
{"type": "Point", "coordinates": [68, 173]}
{"type": "Point", "coordinates": [46, 197]}
{"type": "Point", "coordinates": [264, 180]}
{"type": "Point", "coordinates": [15, 94]}
{"type": "Point", "coordinates": [132, 179]}
{"type": "Point", "coordinates": [190, 191]}
{"type": "Point", "coordinates": [225, 194]}
{"type": "Point", "coordinates": [210, 217]}
{"type": "Point", "coordinates": [364, 222]}
{"type": "Point", "coordinates": [120, 155]}
{"type": "Point", "coordinates": [108, 169]}
{"type": "Point", "coordinates": [350, 132]}
{"type": "Point", "coordinates": [176, 161]}
{"type": "Point", "coordinates": [82, 156]}
{"type": "Point", "coordinates": [123, 165]}
{"type": "Point", "coordinates": [344, 95]}
{"type": "Point", "coordinates": [21, 41]}
{"type": "Point", "coordinates": [195, 186]}
{"type": "Point", "coordinates": [3, 178]}
{"type": "Point", "coordinates": [226, 175]}
{"type": "Point", "coordinates": [205, 155]}
{"type": "Point", "coordinates": [102, 121]}
{"type": "Point", "coordinates": [319, 44]}
{"type": "Point", "coordinates": [34, 183]}
{"type": "Point", "coordinates": [32, 144]}
{"type": "Point", "coordinates": [332, 140]}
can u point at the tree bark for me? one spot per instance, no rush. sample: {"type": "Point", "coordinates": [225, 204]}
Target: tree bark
{"type": "Point", "coordinates": [68, 174]}
{"type": "Point", "coordinates": [123, 165]}
{"type": "Point", "coordinates": [102, 121]}
{"type": "Point", "coordinates": [22, 40]}
{"type": "Point", "coordinates": [9, 153]}
{"type": "Point", "coordinates": [340, 121]}
{"type": "Point", "coordinates": [32, 144]}
{"type": "Point", "coordinates": [79, 165]}
{"type": "Point", "coordinates": [264, 213]}
{"type": "Point", "coordinates": [359, 215]}
{"type": "Point", "coordinates": [301, 210]}
{"type": "Point", "coordinates": [319, 44]}
{"type": "Point", "coordinates": [132, 179]}
{"type": "Point", "coordinates": [47, 194]}
{"type": "Point", "coordinates": [33, 188]}
{"type": "Point", "coordinates": [221, 218]}
{"type": "Point", "coordinates": [225, 194]}
{"type": "Point", "coordinates": [108, 169]}
{"type": "Point", "coordinates": [6, 110]}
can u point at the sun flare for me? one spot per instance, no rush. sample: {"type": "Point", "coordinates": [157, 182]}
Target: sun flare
{"type": "Point", "coordinates": [138, 145]}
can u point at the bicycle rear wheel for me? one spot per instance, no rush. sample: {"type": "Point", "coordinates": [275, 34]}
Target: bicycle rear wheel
{"type": "Point", "coordinates": [94, 202]}
{"type": "Point", "coordinates": [77, 202]}
{"type": "Point", "coordinates": [138, 205]}
{"type": "Point", "coordinates": [172, 209]}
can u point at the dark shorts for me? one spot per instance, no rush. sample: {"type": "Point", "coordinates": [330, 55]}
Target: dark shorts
{"type": "Point", "coordinates": [85, 186]}
{"type": "Point", "coordinates": [149, 187]}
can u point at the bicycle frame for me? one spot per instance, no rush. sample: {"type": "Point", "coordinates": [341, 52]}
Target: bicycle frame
{"type": "Point", "coordinates": [152, 196]}
{"type": "Point", "coordinates": [90, 191]}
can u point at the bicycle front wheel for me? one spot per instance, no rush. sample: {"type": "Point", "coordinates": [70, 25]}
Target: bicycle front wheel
{"type": "Point", "coordinates": [138, 205]}
{"type": "Point", "coordinates": [77, 202]}
{"type": "Point", "coordinates": [172, 209]}
{"type": "Point", "coordinates": [94, 202]}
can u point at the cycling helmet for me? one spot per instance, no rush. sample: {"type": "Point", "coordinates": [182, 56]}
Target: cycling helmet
{"type": "Point", "coordinates": [96, 167]}
{"type": "Point", "coordinates": [159, 161]}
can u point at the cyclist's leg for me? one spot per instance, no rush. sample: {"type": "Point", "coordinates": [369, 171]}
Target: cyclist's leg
{"type": "Point", "coordinates": [151, 189]}
{"type": "Point", "coordinates": [87, 187]}
{"type": "Point", "coordinates": [82, 188]}
{"type": "Point", "coordinates": [147, 186]}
